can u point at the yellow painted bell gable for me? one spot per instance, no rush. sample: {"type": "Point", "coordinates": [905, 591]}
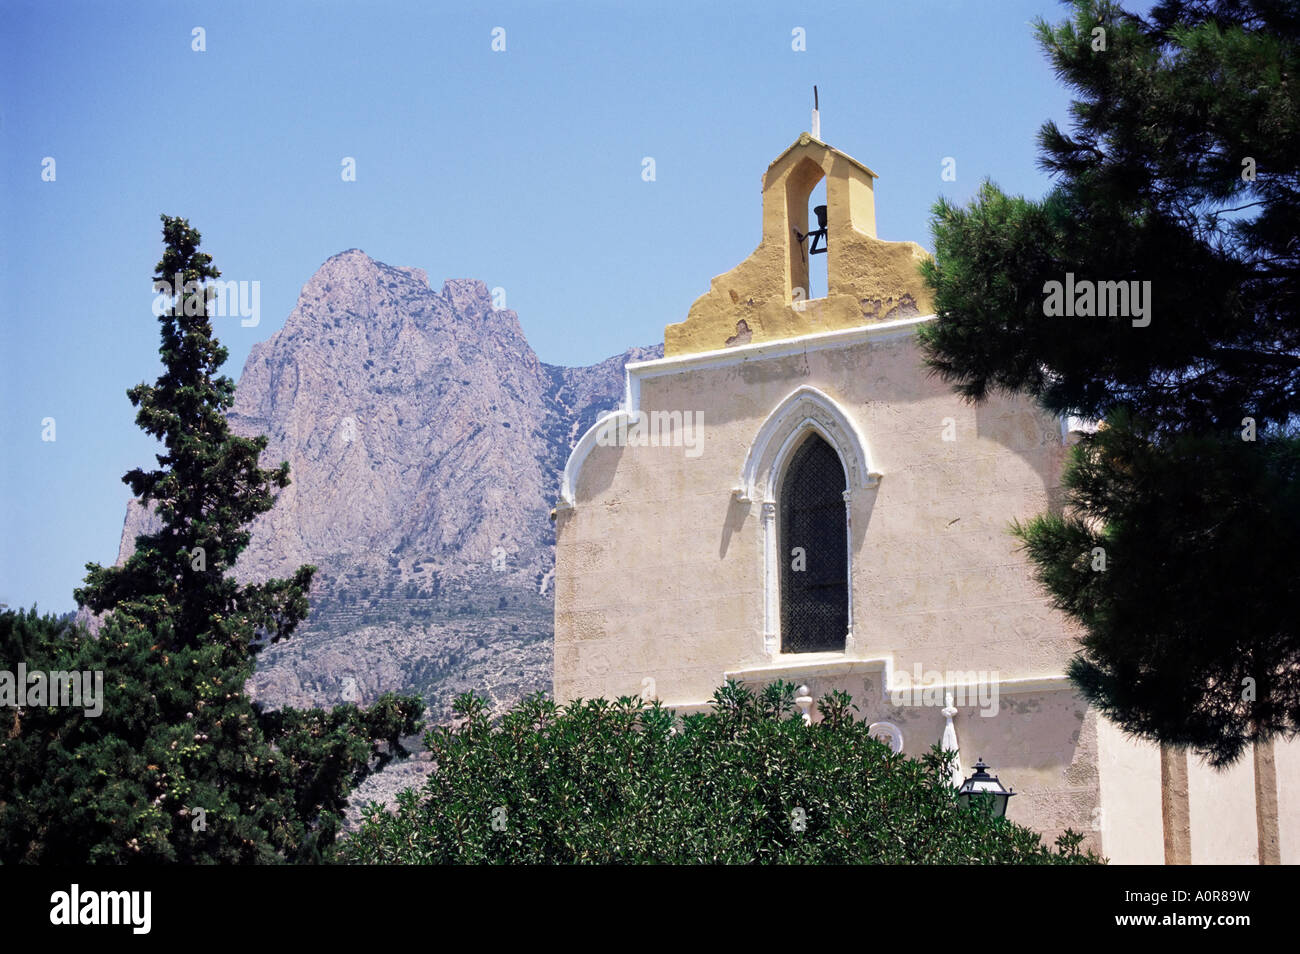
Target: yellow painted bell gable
{"type": "Point", "coordinates": [765, 297]}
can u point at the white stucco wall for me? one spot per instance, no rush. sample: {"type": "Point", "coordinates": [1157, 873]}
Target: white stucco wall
{"type": "Point", "coordinates": [1222, 810]}
{"type": "Point", "coordinates": [1286, 757]}
{"type": "Point", "coordinates": [1131, 820]}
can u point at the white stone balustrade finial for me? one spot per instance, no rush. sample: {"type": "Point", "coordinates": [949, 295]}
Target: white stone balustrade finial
{"type": "Point", "coordinates": [804, 701]}
{"type": "Point", "coordinates": [949, 742]}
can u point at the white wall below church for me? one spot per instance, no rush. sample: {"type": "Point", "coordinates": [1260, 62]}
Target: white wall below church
{"type": "Point", "coordinates": [1222, 808]}
{"type": "Point", "coordinates": [1132, 820]}
{"type": "Point", "coordinates": [1286, 756]}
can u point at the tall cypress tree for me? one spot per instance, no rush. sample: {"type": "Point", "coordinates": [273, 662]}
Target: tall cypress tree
{"type": "Point", "coordinates": [207, 489]}
{"type": "Point", "coordinates": [181, 765]}
{"type": "Point", "coordinates": [1176, 549]}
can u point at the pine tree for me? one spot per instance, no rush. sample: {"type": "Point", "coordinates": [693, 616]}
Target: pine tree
{"type": "Point", "coordinates": [181, 766]}
{"type": "Point", "coordinates": [1182, 170]}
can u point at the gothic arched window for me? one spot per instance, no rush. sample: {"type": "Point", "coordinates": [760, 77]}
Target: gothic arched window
{"type": "Point", "coordinates": [813, 550]}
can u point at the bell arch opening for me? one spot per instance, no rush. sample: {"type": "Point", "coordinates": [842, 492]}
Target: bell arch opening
{"type": "Point", "coordinates": [816, 244]}
{"type": "Point", "coordinates": [812, 525]}
{"type": "Point", "coordinates": [806, 250]}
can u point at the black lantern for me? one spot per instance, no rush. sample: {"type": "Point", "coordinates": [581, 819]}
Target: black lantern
{"type": "Point", "coordinates": [982, 783]}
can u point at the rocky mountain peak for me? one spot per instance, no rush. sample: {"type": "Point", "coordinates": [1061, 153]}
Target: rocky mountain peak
{"type": "Point", "coordinates": [353, 267]}
{"type": "Point", "coordinates": [425, 442]}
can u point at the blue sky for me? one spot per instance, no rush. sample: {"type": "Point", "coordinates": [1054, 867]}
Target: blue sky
{"type": "Point", "coordinates": [521, 168]}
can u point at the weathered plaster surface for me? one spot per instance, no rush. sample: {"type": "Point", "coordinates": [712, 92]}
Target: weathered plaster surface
{"type": "Point", "coordinates": [867, 279]}
{"type": "Point", "coordinates": [660, 565]}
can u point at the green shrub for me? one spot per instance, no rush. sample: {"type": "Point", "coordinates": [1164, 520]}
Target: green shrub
{"type": "Point", "coordinates": [602, 782]}
{"type": "Point", "coordinates": [180, 766]}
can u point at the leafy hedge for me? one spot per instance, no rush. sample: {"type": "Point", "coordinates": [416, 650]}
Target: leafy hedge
{"type": "Point", "coordinates": [602, 782]}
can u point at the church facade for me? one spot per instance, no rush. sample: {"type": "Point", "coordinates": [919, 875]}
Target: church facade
{"type": "Point", "coordinates": [789, 494]}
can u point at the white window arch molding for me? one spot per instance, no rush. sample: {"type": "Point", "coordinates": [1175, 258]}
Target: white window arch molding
{"type": "Point", "coordinates": [805, 409]}
{"type": "Point", "coordinates": [608, 424]}
{"type": "Point", "coordinates": [888, 733]}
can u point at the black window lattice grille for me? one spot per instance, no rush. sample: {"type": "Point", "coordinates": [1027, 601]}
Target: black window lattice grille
{"type": "Point", "coordinates": [814, 599]}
